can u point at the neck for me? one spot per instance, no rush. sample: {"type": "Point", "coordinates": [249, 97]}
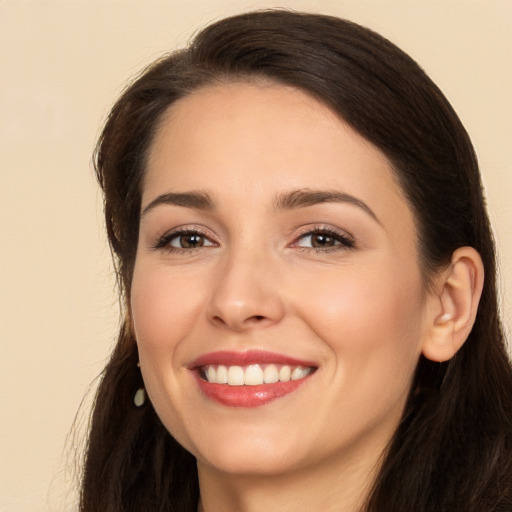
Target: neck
{"type": "Point", "coordinates": [327, 488]}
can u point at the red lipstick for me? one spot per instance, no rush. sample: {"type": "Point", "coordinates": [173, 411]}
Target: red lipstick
{"type": "Point", "coordinates": [246, 358]}
{"type": "Point", "coordinates": [248, 395]}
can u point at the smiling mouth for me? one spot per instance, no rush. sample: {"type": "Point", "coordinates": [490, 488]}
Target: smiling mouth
{"type": "Point", "coordinates": [249, 379]}
{"type": "Point", "coordinates": [253, 374]}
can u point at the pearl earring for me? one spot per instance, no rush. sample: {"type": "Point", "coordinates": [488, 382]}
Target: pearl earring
{"type": "Point", "coordinates": [139, 398]}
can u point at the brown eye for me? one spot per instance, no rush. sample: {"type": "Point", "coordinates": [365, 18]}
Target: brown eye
{"type": "Point", "coordinates": [189, 241]}
{"type": "Point", "coordinates": [323, 240]}
{"type": "Point", "coordinates": [319, 240]}
{"type": "Point", "coordinates": [185, 240]}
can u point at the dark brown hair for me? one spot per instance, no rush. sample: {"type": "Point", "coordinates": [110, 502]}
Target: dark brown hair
{"type": "Point", "coordinates": [453, 448]}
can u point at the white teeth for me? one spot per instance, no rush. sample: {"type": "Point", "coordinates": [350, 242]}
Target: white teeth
{"type": "Point", "coordinates": [271, 374]}
{"type": "Point", "coordinates": [222, 375]}
{"type": "Point", "coordinates": [299, 373]}
{"type": "Point", "coordinates": [285, 373]}
{"type": "Point", "coordinates": [254, 374]}
{"type": "Point", "coordinates": [236, 376]}
{"type": "Point", "coordinates": [210, 374]}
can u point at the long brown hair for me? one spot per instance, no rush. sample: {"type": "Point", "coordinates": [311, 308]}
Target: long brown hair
{"type": "Point", "coordinates": [453, 449]}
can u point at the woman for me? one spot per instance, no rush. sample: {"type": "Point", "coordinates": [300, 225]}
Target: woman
{"type": "Point", "coordinates": [301, 237]}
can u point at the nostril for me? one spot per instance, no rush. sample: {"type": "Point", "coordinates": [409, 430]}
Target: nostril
{"type": "Point", "coordinates": [239, 324]}
{"type": "Point", "coordinates": [218, 319]}
{"type": "Point", "coordinates": [257, 318]}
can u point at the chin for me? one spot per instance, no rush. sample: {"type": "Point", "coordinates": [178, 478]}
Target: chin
{"type": "Point", "coordinates": [249, 449]}
{"type": "Point", "coordinates": [255, 459]}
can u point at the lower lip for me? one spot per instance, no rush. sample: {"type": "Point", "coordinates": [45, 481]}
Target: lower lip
{"type": "Point", "coordinates": [248, 396]}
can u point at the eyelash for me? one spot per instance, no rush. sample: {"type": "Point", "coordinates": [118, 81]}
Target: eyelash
{"type": "Point", "coordinates": [165, 240]}
{"type": "Point", "coordinates": [345, 242]}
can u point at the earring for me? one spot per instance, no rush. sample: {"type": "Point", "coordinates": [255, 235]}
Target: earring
{"type": "Point", "coordinates": [140, 395]}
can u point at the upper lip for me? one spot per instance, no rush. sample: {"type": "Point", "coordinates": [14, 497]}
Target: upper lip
{"type": "Point", "coordinates": [229, 358]}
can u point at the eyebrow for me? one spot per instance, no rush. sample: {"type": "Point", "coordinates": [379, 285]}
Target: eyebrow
{"type": "Point", "coordinates": [195, 199]}
{"type": "Point", "coordinates": [287, 201]}
{"type": "Point", "coordinates": [307, 197]}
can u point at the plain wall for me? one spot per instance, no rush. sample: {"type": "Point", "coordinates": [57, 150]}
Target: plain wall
{"type": "Point", "coordinates": [62, 64]}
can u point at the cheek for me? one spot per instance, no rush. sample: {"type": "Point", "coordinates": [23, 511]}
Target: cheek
{"type": "Point", "coordinates": [164, 312]}
{"type": "Point", "coordinates": [371, 324]}
{"type": "Point", "coordinates": [370, 318]}
{"type": "Point", "coordinates": [165, 309]}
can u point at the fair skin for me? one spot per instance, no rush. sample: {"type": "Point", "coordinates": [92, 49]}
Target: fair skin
{"type": "Point", "coordinates": [247, 258]}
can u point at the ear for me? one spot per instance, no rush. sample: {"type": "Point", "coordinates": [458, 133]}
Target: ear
{"type": "Point", "coordinates": [457, 295]}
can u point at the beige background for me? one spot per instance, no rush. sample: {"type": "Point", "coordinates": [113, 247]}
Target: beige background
{"type": "Point", "coordinates": [62, 63]}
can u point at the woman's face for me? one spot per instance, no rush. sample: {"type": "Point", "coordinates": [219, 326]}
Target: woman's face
{"type": "Point", "coordinates": [276, 252]}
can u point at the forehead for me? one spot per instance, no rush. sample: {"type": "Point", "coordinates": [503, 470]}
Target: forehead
{"type": "Point", "coordinates": [248, 142]}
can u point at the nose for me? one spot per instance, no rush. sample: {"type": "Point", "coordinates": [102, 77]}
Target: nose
{"type": "Point", "coordinates": [246, 294]}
